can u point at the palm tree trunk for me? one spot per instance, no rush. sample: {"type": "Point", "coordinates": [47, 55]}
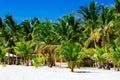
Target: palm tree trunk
{"type": "Point", "coordinates": [72, 66]}
{"type": "Point", "coordinates": [16, 60]}
{"type": "Point", "coordinates": [95, 43]}
{"type": "Point", "coordinates": [60, 62]}
{"type": "Point", "coordinates": [8, 58]}
{"type": "Point", "coordinates": [50, 58]}
{"type": "Point", "coordinates": [0, 60]}
{"type": "Point", "coordinates": [27, 62]}
{"type": "Point", "coordinates": [114, 67]}
{"type": "Point", "coordinates": [72, 69]}
{"type": "Point", "coordinates": [107, 65]}
{"type": "Point", "coordinates": [13, 59]}
{"type": "Point", "coordinates": [4, 60]}
{"type": "Point", "coordinates": [23, 60]}
{"type": "Point", "coordinates": [108, 37]}
{"type": "Point", "coordinates": [118, 68]}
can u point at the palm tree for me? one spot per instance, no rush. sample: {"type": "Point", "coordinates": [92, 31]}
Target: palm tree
{"type": "Point", "coordinates": [99, 57]}
{"type": "Point", "coordinates": [9, 34]}
{"type": "Point", "coordinates": [24, 49]}
{"type": "Point", "coordinates": [90, 16]}
{"type": "Point", "coordinates": [71, 53]}
{"type": "Point", "coordinates": [115, 57]}
{"type": "Point", "coordinates": [2, 54]}
{"type": "Point", "coordinates": [45, 32]}
{"type": "Point", "coordinates": [115, 53]}
{"type": "Point", "coordinates": [107, 24]}
{"type": "Point", "coordinates": [64, 29]}
{"type": "Point", "coordinates": [117, 8]}
{"type": "Point", "coordinates": [8, 42]}
{"type": "Point", "coordinates": [28, 30]}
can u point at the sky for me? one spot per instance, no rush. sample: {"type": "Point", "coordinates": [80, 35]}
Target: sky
{"type": "Point", "coordinates": [52, 9]}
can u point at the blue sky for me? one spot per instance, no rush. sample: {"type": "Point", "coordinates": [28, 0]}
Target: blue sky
{"type": "Point", "coordinates": [52, 9]}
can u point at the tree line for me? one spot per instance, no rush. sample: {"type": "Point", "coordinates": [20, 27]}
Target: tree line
{"type": "Point", "coordinates": [95, 34]}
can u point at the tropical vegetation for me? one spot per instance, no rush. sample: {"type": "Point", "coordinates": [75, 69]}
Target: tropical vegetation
{"type": "Point", "coordinates": [95, 35]}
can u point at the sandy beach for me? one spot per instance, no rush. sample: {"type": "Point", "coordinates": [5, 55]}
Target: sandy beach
{"type": "Point", "coordinates": [13, 72]}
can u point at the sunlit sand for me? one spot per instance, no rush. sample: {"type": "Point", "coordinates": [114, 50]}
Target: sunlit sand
{"type": "Point", "coordinates": [14, 72]}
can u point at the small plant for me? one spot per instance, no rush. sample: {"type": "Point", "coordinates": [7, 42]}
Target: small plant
{"type": "Point", "coordinates": [37, 61]}
{"type": "Point", "coordinates": [3, 65]}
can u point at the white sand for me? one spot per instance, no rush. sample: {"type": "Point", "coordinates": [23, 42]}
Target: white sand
{"type": "Point", "coordinates": [13, 72]}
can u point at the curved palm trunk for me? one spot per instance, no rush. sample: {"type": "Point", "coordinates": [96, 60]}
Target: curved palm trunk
{"type": "Point", "coordinates": [107, 36]}
{"type": "Point", "coordinates": [103, 41]}
{"type": "Point", "coordinates": [95, 43]}
{"type": "Point", "coordinates": [51, 57]}
{"type": "Point", "coordinates": [107, 65]}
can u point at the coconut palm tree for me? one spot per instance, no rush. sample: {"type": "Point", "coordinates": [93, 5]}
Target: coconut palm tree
{"type": "Point", "coordinates": [99, 57]}
{"type": "Point", "coordinates": [107, 24]}
{"type": "Point", "coordinates": [2, 55]}
{"type": "Point", "coordinates": [115, 53]}
{"type": "Point", "coordinates": [64, 29]}
{"type": "Point", "coordinates": [71, 53]}
{"type": "Point", "coordinates": [24, 49]}
{"type": "Point", "coordinates": [28, 29]}
{"type": "Point", "coordinates": [9, 34]}
{"type": "Point", "coordinates": [90, 16]}
{"type": "Point", "coordinates": [117, 8]}
{"type": "Point", "coordinates": [7, 38]}
{"type": "Point", "coordinates": [45, 32]}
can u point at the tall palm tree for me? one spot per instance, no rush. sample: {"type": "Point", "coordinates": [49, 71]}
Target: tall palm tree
{"type": "Point", "coordinates": [45, 32]}
{"type": "Point", "coordinates": [116, 10]}
{"type": "Point", "coordinates": [90, 14]}
{"type": "Point", "coordinates": [90, 18]}
{"type": "Point", "coordinates": [9, 34]}
{"type": "Point", "coordinates": [28, 29]}
{"type": "Point", "coordinates": [64, 29]}
{"type": "Point", "coordinates": [117, 4]}
{"type": "Point", "coordinates": [107, 24]}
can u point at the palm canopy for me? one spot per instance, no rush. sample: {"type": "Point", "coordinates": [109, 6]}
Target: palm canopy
{"type": "Point", "coordinates": [90, 12]}
{"type": "Point", "coordinates": [72, 53]}
{"type": "Point", "coordinates": [117, 4]}
{"type": "Point", "coordinates": [2, 52]}
{"type": "Point", "coordinates": [45, 32]}
{"type": "Point", "coordinates": [28, 29]}
{"type": "Point", "coordinates": [114, 50]}
{"type": "Point", "coordinates": [106, 15]}
{"type": "Point", "coordinates": [68, 28]}
{"type": "Point", "coordinates": [24, 48]}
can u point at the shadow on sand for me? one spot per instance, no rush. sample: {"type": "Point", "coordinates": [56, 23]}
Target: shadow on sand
{"type": "Point", "coordinates": [83, 72]}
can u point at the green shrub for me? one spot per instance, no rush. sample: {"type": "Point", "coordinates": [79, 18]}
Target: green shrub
{"type": "Point", "coordinates": [37, 61]}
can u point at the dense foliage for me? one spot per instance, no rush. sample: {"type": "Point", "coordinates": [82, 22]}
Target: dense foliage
{"type": "Point", "coordinates": [95, 34]}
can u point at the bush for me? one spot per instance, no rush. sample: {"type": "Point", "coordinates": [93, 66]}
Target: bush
{"type": "Point", "coordinates": [37, 61]}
